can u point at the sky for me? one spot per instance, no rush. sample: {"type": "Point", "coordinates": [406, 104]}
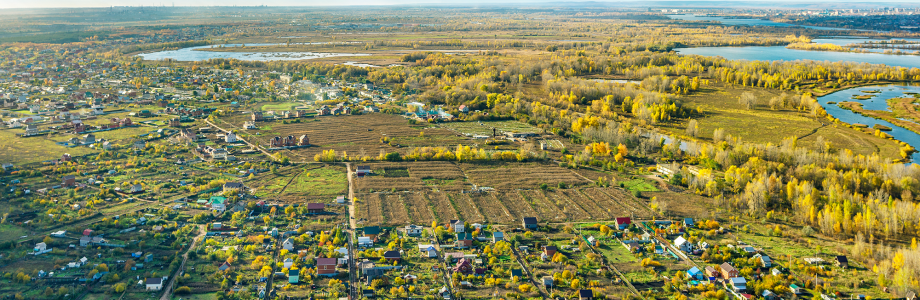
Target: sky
{"type": "Point", "coordinates": [107, 3]}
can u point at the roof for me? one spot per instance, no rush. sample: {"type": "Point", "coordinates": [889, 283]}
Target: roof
{"type": "Point", "coordinates": [623, 220]}
{"type": "Point", "coordinates": [842, 258]}
{"type": "Point", "coordinates": [738, 280]}
{"type": "Point", "coordinates": [294, 272]}
{"type": "Point", "coordinates": [326, 261]}
{"type": "Point", "coordinates": [693, 270]}
{"type": "Point", "coordinates": [157, 280]}
{"type": "Point", "coordinates": [498, 234]}
{"type": "Point", "coordinates": [550, 248]}
{"type": "Point", "coordinates": [530, 220]}
{"type": "Point", "coordinates": [765, 258]}
{"type": "Point", "coordinates": [316, 206]}
{"type": "Point", "coordinates": [391, 254]}
{"type": "Point", "coordinates": [680, 240]}
{"type": "Point", "coordinates": [726, 267]}
{"type": "Point", "coordinates": [217, 200]}
{"type": "Point", "coordinates": [517, 272]}
{"type": "Point", "coordinates": [372, 230]}
{"type": "Point", "coordinates": [463, 236]}
{"type": "Point", "coordinates": [234, 185]}
{"type": "Point", "coordinates": [586, 293]}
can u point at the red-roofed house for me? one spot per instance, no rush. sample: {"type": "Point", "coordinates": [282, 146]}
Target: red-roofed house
{"type": "Point", "coordinates": [315, 208]}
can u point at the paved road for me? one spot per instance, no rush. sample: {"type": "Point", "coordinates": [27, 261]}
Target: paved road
{"type": "Point", "coordinates": [172, 280]}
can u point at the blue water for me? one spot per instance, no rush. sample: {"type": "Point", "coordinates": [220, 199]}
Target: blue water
{"type": "Point", "coordinates": [194, 54]}
{"type": "Point", "coordinates": [878, 103]}
{"type": "Point", "coordinates": [782, 53]}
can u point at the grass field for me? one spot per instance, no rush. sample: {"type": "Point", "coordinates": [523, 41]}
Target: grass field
{"type": "Point", "coordinates": [639, 185]}
{"type": "Point", "coordinates": [34, 149]}
{"type": "Point", "coordinates": [324, 181]}
{"type": "Point", "coordinates": [281, 106]}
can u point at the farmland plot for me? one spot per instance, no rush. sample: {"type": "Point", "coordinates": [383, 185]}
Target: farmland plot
{"type": "Point", "coordinates": [546, 209]}
{"type": "Point", "coordinates": [380, 183]}
{"type": "Point", "coordinates": [572, 210]}
{"type": "Point", "coordinates": [491, 208]}
{"type": "Point", "coordinates": [420, 210]}
{"type": "Point", "coordinates": [520, 176]}
{"type": "Point", "coordinates": [442, 207]}
{"type": "Point", "coordinates": [597, 212]}
{"type": "Point", "coordinates": [372, 209]}
{"type": "Point", "coordinates": [518, 207]}
{"type": "Point", "coordinates": [465, 208]}
{"type": "Point", "coordinates": [618, 201]}
{"type": "Point", "coordinates": [394, 210]}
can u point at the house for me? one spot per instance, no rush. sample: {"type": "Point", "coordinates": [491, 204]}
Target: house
{"type": "Point", "coordinates": [218, 203]}
{"type": "Point", "coordinates": [326, 266]}
{"type": "Point", "coordinates": [392, 256]}
{"type": "Point", "coordinates": [749, 249]}
{"type": "Point", "coordinates": [530, 223]}
{"type": "Point", "coordinates": [61, 233]}
{"type": "Point", "coordinates": [633, 246]}
{"type": "Point", "coordinates": [249, 125]}
{"type": "Point", "coordinates": [288, 262]}
{"type": "Point", "coordinates": [40, 247]}
{"type": "Point", "coordinates": [795, 289]}
{"type": "Point", "coordinates": [547, 281]}
{"type": "Point", "coordinates": [154, 284]}
{"type": "Point", "coordinates": [842, 261]}
{"type": "Point", "coordinates": [288, 244]}
{"type": "Point", "coordinates": [738, 284]}
{"type": "Point", "coordinates": [452, 256]}
{"type": "Point", "coordinates": [316, 208]}
{"type": "Point", "coordinates": [768, 295]}
{"type": "Point", "coordinates": [256, 116]}
{"type": "Point", "coordinates": [31, 130]}
{"type": "Point", "coordinates": [464, 109]}
{"type": "Point", "coordinates": [765, 261]}
{"type": "Point", "coordinates": [137, 188]}
{"type": "Point", "coordinates": [464, 266]}
{"type": "Point", "coordinates": [223, 267]}
{"type": "Point", "coordinates": [728, 271]}
{"type": "Point", "coordinates": [428, 251]}
{"type": "Point", "coordinates": [413, 230]}
{"type": "Point", "coordinates": [550, 250]}
{"type": "Point", "coordinates": [711, 272]}
{"type": "Point", "coordinates": [371, 232]}
{"type": "Point", "coordinates": [140, 145]}
{"type": "Point", "coordinates": [516, 273]}
{"type": "Point", "coordinates": [69, 181]}
{"type": "Point", "coordinates": [362, 171]}
{"type": "Point", "coordinates": [365, 242]}
{"type": "Point", "coordinates": [220, 153]}
{"type": "Point", "coordinates": [688, 222]}
{"type": "Point", "coordinates": [464, 240]}
{"type": "Point", "coordinates": [294, 276]}
{"type": "Point", "coordinates": [455, 225]}
{"type": "Point", "coordinates": [623, 222]}
{"type": "Point", "coordinates": [87, 232]}
{"type": "Point", "coordinates": [695, 273]}
{"type": "Point", "coordinates": [682, 244]}
{"type": "Point", "coordinates": [498, 236]}
{"type": "Point", "coordinates": [585, 294]}
{"type": "Point", "coordinates": [232, 187]}
{"type": "Point", "coordinates": [230, 138]}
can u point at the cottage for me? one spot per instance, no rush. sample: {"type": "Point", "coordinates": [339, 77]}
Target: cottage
{"type": "Point", "coordinates": [547, 281]}
{"type": "Point", "coordinates": [456, 226]}
{"type": "Point", "coordinates": [738, 284]}
{"type": "Point", "coordinates": [695, 273]}
{"type": "Point", "coordinates": [326, 266]}
{"type": "Point", "coordinates": [842, 261]}
{"type": "Point", "coordinates": [288, 244]}
{"type": "Point", "coordinates": [623, 222]}
{"type": "Point", "coordinates": [530, 223]}
{"type": "Point", "coordinates": [428, 251]}
{"type": "Point", "coordinates": [232, 187]}
{"type": "Point", "coordinates": [413, 230]}
{"type": "Point", "coordinates": [711, 272]}
{"type": "Point", "coordinates": [223, 267]}
{"type": "Point", "coordinates": [728, 271]}
{"type": "Point", "coordinates": [218, 204]}
{"type": "Point", "coordinates": [230, 138]}
{"type": "Point", "coordinates": [585, 294]}
{"type": "Point", "coordinates": [40, 247]}
{"type": "Point", "coordinates": [362, 171]}
{"type": "Point", "coordinates": [795, 289]}
{"type": "Point", "coordinates": [256, 116]}
{"type": "Point", "coordinates": [765, 261]}
{"type": "Point", "coordinates": [294, 276]}
{"type": "Point", "coordinates": [688, 222]}
{"type": "Point", "coordinates": [392, 256]}
{"type": "Point", "coordinates": [768, 295]}
{"type": "Point", "coordinates": [682, 244]}
{"type": "Point", "coordinates": [316, 208]}
{"type": "Point", "coordinates": [365, 242]}
{"type": "Point", "coordinates": [550, 250]}
{"type": "Point", "coordinates": [371, 232]}
{"type": "Point", "coordinates": [137, 188]}
{"type": "Point", "coordinates": [464, 266]}
{"type": "Point", "coordinates": [516, 273]}
{"type": "Point", "coordinates": [69, 181]}
{"type": "Point", "coordinates": [498, 236]}
{"type": "Point", "coordinates": [154, 284]}
{"type": "Point", "coordinates": [464, 240]}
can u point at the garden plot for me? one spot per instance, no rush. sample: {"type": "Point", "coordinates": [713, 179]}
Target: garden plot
{"type": "Point", "coordinates": [520, 176]}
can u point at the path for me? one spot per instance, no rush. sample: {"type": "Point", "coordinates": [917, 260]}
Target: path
{"type": "Point", "coordinates": [540, 287]}
{"type": "Point", "coordinates": [352, 226]}
{"type": "Point", "coordinates": [172, 280]}
{"type": "Point", "coordinates": [240, 138]}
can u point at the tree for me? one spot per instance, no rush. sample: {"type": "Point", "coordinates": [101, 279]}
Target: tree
{"type": "Point", "coordinates": [692, 128]}
{"type": "Point", "coordinates": [748, 100]}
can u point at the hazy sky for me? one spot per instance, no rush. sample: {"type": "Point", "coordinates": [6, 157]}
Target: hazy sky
{"type": "Point", "coordinates": [106, 3]}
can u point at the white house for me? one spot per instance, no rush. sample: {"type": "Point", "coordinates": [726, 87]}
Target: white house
{"type": "Point", "coordinates": [456, 226]}
{"type": "Point", "coordinates": [365, 242]}
{"type": "Point", "coordinates": [428, 250]}
{"type": "Point", "coordinates": [154, 284]}
{"type": "Point", "coordinates": [682, 244]}
{"type": "Point", "coordinates": [137, 188]}
{"type": "Point", "coordinates": [230, 138]}
{"type": "Point", "coordinates": [413, 230]}
{"type": "Point", "coordinates": [219, 153]}
{"type": "Point", "coordinates": [97, 109]}
{"type": "Point", "coordinates": [287, 245]}
{"type": "Point", "coordinates": [40, 247]}
{"type": "Point", "coordinates": [288, 262]}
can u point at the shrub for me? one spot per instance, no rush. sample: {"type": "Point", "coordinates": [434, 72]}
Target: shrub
{"type": "Point", "coordinates": [182, 290]}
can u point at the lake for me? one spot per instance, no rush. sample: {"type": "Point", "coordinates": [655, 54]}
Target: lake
{"type": "Point", "coordinates": [193, 54]}
{"type": "Point", "coordinates": [784, 54]}
{"type": "Point", "coordinates": [877, 103]}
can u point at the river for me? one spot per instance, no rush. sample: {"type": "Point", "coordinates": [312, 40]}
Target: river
{"type": "Point", "coordinates": [194, 54]}
{"type": "Point", "coordinates": [782, 53]}
{"type": "Point", "coordinates": [876, 103]}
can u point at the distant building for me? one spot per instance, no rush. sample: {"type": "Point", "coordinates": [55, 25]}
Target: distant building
{"type": "Point", "coordinates": [154, 284]}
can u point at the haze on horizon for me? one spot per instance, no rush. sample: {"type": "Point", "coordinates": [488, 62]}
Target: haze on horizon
{"type": "Point", "coordinates": [107, 3]}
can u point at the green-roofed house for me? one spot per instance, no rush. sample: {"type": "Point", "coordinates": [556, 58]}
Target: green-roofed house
{"type": "Point", "coordinates": [218, 203]}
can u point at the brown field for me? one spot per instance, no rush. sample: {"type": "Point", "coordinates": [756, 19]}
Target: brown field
{"type": "Point", "coordinates": [492, 210]}
{"type": "Point", "coordinates": [420, 210]}
{"type": "Point", "coordinates": [503, 176]}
